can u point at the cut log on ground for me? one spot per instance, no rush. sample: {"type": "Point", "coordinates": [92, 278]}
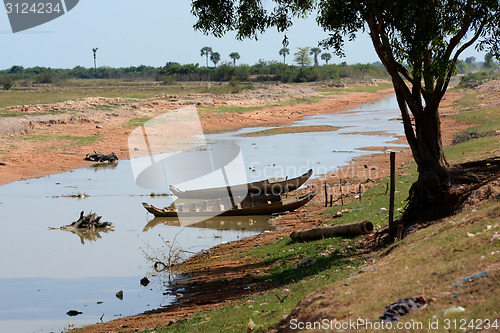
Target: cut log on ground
{"type": "Point", "coordinates": [100, 157]}
{"type": "Point", "coordinates": [349, 230]}
{"type": "Point", "coordinates": [90, 221]}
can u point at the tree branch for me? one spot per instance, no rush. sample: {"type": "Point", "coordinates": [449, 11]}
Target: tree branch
{"type": "Point", "coordinates": [382, 47]}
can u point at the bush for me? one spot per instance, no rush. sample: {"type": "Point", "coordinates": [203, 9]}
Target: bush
{"type": "Point", "coordinates": [44, 77]}
{"type": "Point", "coordinates": [7, 82]}
{"type": "Point", "coordinates": [472, 80]}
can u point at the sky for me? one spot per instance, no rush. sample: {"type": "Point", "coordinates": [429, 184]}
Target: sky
{"type": "Point", "coordinates": [152, 32]}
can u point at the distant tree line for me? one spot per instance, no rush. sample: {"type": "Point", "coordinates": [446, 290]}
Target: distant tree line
{"type": "Point", "coordinates": [225, 71]}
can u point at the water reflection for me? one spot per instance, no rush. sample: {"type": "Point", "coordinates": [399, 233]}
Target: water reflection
{"type": "Point", "coordinates": [247, 223]}
{"type": "Point", "coordinates": [90, 235]}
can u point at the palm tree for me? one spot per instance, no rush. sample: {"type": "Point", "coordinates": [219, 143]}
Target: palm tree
{"type": "Point", "coordinates": [95, 60]}
{"type": "Point", "coordinates": [215, 57]}
{"type": "Point", "coordinates": [283, 52]}
{"type": "Point", "coordinates": [315, 51]}
{"type": "Point", "coordinates": [206, 51]}
{"type": "Point", "coordinates": [235, 56]}
{"type": "Point", "coordinates": [326, 57]}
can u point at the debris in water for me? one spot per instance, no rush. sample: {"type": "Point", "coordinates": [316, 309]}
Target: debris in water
{"type": "Point", "coordinates": [119, 295]}
{"type": "Point", "coordinates": [89, 221]}
{"type": "Point", "coordinates": [144, 282]}
{"type": "Point", "coordinates": [100, 157]}
{"type": "Point", "coordinates": [73, 313]}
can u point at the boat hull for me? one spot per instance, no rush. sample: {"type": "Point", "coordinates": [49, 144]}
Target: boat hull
{"type": "Point", "coordinates": [257, 188]}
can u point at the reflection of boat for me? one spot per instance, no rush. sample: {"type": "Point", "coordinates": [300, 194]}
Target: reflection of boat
{"type": "Point", "coordinates": [251, 205]}
{"type": "Point", "coordinates": [247, 223]}
{"type": "Point", "coordinates": [270, 186]}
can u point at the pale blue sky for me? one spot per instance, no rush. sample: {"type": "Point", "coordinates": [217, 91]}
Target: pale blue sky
{"type": "Point", "coordinates": [151, 32]}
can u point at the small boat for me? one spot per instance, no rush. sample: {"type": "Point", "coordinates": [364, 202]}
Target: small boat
{"type": "Point", "coordinates": [250, 205]}
{"type": "Point", "coordinates": [273, 186]}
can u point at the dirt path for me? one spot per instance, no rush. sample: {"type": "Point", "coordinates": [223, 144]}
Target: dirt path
{"type": "Point", "coordinates": [235, 279]}
{"type": "Point", "coordinates": [51, 138]}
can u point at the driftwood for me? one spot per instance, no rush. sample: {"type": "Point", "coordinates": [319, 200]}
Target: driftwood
{"type": "Point", "coordinates": [350, 230]}
{"type": "Point", "coordinates": [88, 222]}
{"type": "Point", "coordinates": [100, 157]}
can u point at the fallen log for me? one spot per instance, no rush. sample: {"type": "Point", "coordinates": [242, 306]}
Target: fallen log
{"type": "Point", "coordinates": [90, 221]}
{"type": "Point", "coordinates": [349, 230]}
{"type": "Point", "coordinates": [100, 157]}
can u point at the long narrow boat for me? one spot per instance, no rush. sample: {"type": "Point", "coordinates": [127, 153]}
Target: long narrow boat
{"type": "Point", "coordinates": [269, 186]}
{"type": "Point", "coordinates": [252, 205]}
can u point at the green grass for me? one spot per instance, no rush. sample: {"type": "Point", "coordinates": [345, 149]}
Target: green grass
{"type": "Point", "coordinates": [356, 88]}
{"type": "Point", "coordinates": [230, 109]}
{"type": "Point", "coordinates": [485, 121]}
{"type": "Point", "coordinates": [62, 141]}
{"type": "Point", "coordinates": [78, 89]}
{"type": "Point", "coordinates": [136, 122]}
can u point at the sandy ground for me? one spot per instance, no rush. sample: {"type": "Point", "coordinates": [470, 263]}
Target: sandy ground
{"type": "Point", "coordinates": [25, 158]}
{"type": "Point", "coordinates": [40, 142]}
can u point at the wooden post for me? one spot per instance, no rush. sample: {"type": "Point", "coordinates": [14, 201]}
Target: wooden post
{"type": "Point", "coordinates": [341, 194]}
{"type": "Point", "coordinates": [326, 197]}
{"type": "Point", "coordinates": [359, 191]}
{"type": "Point", "coordinates": [391, 197]}
{"type": "Point", "coordinates": [331, 200]}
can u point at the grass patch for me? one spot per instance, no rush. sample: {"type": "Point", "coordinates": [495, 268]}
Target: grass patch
{"type": "Point", "coordinates": [63, 141]}
{"type": "Point", "coordinates": [136, 122]}
{"type": "Point", "coordinates": [229, 88]}
{"type": "Point", "coordinates": [230, 109]}
{"type": "Point", "coordinates": [71, 90]}
{"type": "Point", "coordinates": [355, 88]}
{"type": "Point", "coordinates": [291, 130]}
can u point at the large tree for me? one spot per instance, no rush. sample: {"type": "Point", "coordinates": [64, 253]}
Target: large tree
{"type": "Point", "coordinates": [283, 52]}
{"type": "Point", "coordinates": [326, 57]}
{"type": "Point", "coordinates": [206, 51]}
{"type": "Point", "coordinates": [215, 58]}
{"type": "Point", "coordinates": [302, 56]}
{"type": "Point", "coordinates": [235, 56]}
{"type": "Point", "coordinates": [314, 52]}
{"type": "Point", "coordinates": [94, 51]}
{"type": "Point", "coordinates": [418, 41]}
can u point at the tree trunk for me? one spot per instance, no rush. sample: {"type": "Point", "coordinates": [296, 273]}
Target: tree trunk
{"type": "Point", "coordinates": [428, 195]}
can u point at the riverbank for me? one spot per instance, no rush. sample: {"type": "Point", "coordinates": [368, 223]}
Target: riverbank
{"type": "Point", "coordinates": [255, 282]}
{"type": "Point", "coordinates": [41, 139]}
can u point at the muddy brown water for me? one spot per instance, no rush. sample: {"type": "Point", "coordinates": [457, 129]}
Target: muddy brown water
{"type": "Point", "coordinates": [45, 273]}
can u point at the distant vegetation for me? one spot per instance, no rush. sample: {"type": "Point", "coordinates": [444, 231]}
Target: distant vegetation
{"type": "Point", "coordinates": [226, 71]}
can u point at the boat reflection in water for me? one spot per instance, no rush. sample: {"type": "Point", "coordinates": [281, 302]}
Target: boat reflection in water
{"type": "Point", "coordinates": [247, 223]}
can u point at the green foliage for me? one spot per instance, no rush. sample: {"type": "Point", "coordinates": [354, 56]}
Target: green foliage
{"type": "Point", "coordinates": [284, 52]}
{"type": "Point", "coordinates": [215, 57]}
{"type": "Point", "coordinates": [7, 82]}
{"type": "Point", "coordinates": [489, 63]}
{"type": "Point", "coordinates": [45, 77]}
{"type": "Point", "coordinates": [326, 57]}
{"type": "Point", "coordinates": [235, 56]}
{"type": "Point", "coordinates": [302, 56]}
{"type": "Point", "coordinates": [474, 79]}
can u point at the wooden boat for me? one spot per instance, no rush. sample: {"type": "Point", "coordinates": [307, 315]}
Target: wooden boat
{"type": "Point", "coordinates": [251, 205]}
{"type": "Point", "coordinates": [270, 186]}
